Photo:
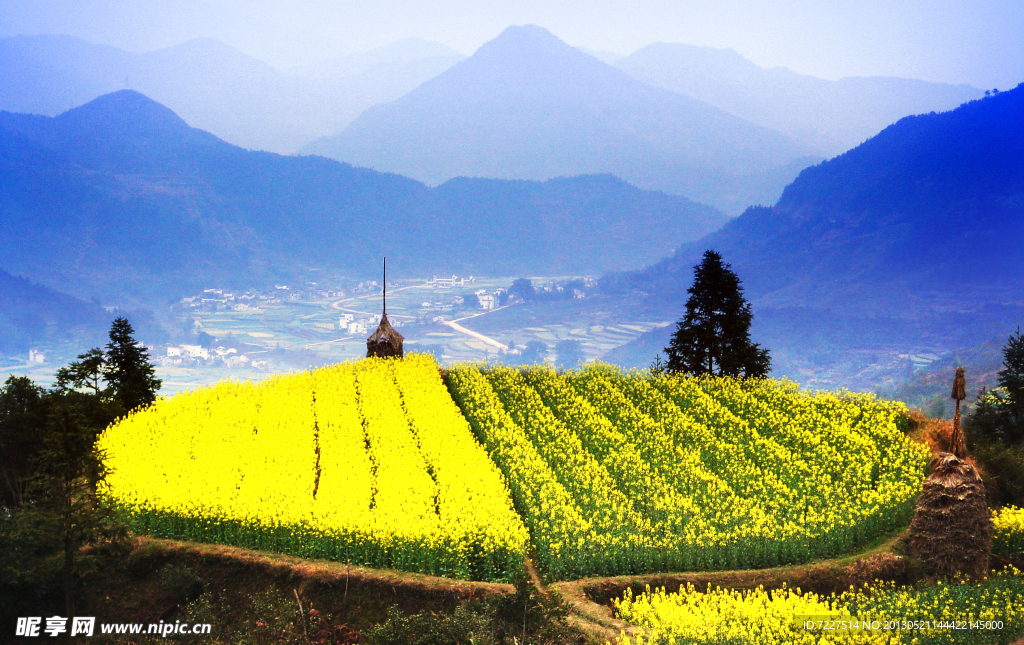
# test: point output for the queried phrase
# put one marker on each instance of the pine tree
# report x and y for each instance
(85, 373)
(999, 413)
(22, 411)
(714, 336)
(128, 370)
(1011, 380)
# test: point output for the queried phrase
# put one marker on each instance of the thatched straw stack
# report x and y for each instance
(952, 528)
(386, 342)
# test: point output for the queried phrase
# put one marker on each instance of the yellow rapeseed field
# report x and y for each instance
(368, 462)
(1008, 537)
(987, 612)
(612, 473)
(619, 473)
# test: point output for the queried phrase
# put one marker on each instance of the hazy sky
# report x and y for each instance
(980, 42)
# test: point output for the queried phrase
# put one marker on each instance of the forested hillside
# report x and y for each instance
(911, 242)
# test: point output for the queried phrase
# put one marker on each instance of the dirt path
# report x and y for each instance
(538, 584)
(589, 599)
(469, 332)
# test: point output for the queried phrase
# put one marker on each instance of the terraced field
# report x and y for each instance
(366, 462)
(619, 473)
(596, 472)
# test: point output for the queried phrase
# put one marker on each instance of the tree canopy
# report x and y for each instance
(1011, 380)
(129, 371)
(523, 287)
(999, 413)
(51, 469)
(714, 335)
(569, 354)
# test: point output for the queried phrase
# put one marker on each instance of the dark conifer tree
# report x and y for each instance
(85, 373)
(1011, 379)
(714, 336)
(999, 414)
(22, 412)
(128, 370)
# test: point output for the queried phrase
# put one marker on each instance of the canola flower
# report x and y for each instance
(677, 473)
(1008, 536)
(985, 612)
(368, 462)
(612, 473)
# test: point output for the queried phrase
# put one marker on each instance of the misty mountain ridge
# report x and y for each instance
(122, 132)
(214, 86)
(405, 51)
(121, 198)
(31, 314)
(828, 116)
(934, 201)
(526, 105)
(250, 104)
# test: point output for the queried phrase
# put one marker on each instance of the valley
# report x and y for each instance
(255, 334)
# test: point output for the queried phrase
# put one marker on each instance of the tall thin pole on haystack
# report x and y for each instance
(386, 297)
(956, 441)
(951, 532)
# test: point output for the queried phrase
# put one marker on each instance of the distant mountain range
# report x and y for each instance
(913, 239)
(693, 121)
(122, 199)
(528, 106)
(407, 52)
(829, 117)
(215, 87)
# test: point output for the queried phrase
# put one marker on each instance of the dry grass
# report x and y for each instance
(320, 572)
(348, 599)
(935, 433)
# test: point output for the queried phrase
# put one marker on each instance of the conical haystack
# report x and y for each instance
(385, 342)
(952, 528)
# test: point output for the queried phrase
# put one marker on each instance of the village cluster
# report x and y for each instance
(195, 355)
(242, 324)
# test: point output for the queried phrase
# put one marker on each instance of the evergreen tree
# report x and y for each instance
(22, 414)
(52, 509)
(128, 370)
(999, 413)
(67, 513)
(1011, 380)
(85, 373)
(714, 336)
